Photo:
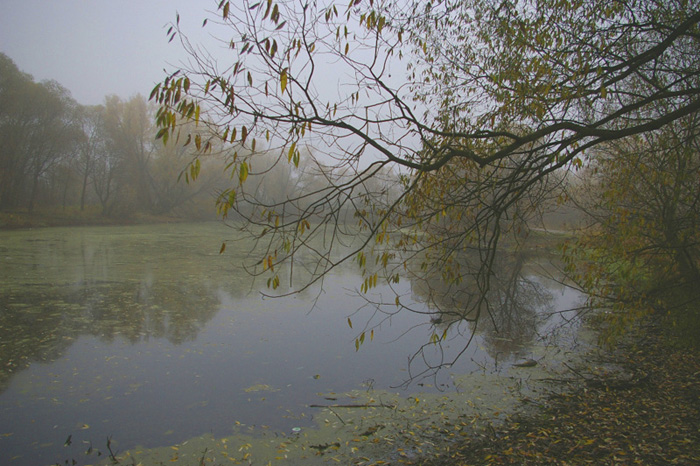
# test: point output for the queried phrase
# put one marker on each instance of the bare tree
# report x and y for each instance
(92, 145)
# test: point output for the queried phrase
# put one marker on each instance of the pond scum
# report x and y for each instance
(360, 427)
(373, 427)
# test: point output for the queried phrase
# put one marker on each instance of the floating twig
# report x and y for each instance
(367, 405)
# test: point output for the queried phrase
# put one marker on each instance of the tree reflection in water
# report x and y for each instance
(39, 323)
(508, 314)
(132, 284)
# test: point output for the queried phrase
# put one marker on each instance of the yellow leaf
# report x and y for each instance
(283, 79)
(243, 174)
(292, 149)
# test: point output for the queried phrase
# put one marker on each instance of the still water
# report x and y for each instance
(148, 336)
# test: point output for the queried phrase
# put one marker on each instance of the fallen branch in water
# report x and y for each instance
(201, 460)
(367, 405)
(111, 453)
(324, 447)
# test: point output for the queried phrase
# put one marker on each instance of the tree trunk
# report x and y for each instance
(32, 197)
(84, 189)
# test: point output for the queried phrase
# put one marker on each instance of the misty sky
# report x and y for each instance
(97, 47)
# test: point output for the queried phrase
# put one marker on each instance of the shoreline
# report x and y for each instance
(638, 404)
(13, 221)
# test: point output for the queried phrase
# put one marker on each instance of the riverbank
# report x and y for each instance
(644, 411)
(73, 216)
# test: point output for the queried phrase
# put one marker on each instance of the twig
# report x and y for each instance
(556, 380)
(576, 372)
(111, 453)
(354, 406)
(336, 415)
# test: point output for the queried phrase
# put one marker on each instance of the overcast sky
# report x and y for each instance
(97, 47)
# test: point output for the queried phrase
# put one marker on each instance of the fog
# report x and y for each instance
(97, 48)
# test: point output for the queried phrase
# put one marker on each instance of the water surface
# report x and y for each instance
(147, 335)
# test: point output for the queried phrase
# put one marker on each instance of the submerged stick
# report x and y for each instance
(354, 406)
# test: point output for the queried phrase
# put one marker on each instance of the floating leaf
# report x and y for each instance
(261, 387)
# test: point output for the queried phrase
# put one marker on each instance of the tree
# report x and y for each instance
(91, 146)
(129, 128)
(37, 124)
(54, 133)
(13, 86)
(498, 98)
(170, 191)
(643, 244)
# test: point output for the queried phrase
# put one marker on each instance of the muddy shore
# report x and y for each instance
(644, 411)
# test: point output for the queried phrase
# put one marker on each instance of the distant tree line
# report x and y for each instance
(57, 153)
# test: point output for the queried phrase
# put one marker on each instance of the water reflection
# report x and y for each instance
(37, 326)
(133, 285)
(508, 314)
(148, 335)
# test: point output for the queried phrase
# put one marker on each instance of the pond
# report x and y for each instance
(147, 336)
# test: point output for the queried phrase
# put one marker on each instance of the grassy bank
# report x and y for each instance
(73, 216)
(647, 411)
